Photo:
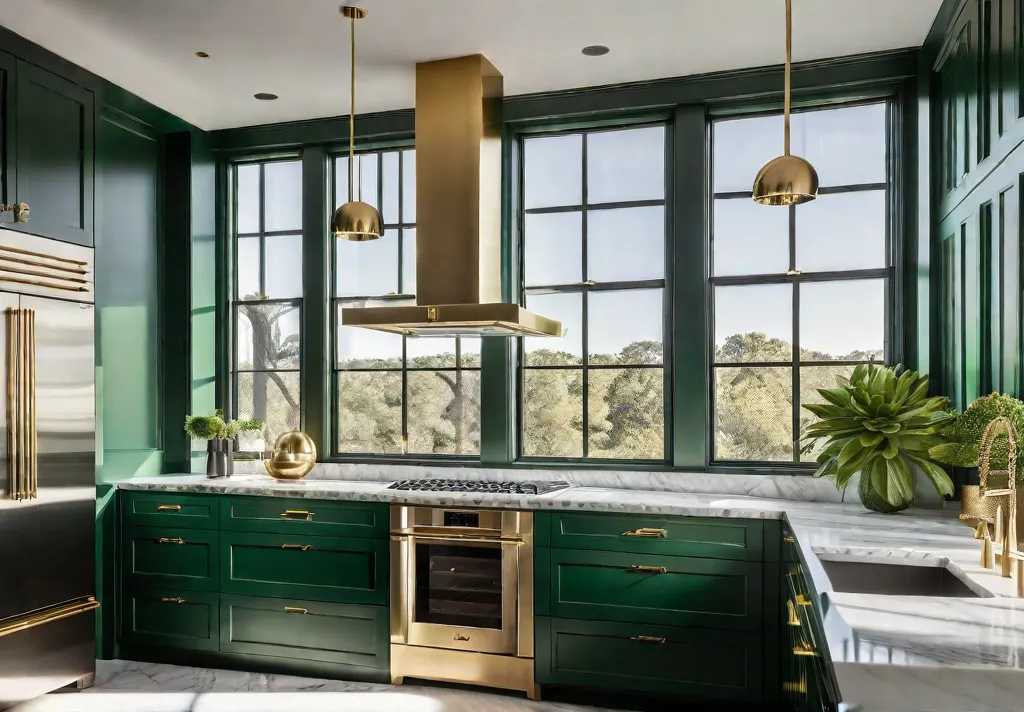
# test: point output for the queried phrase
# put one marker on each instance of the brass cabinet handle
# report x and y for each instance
(299, 547)
(166, 540)
(173, 600)
(647, 639)
(461, 638)
(22, 438)
(788, 539)
(648, 532)
(793, 619)
(294, 609)
(648, 569)
(296, 513)
(797, 687)
(169, 508)
(802, 600)
(804, 650)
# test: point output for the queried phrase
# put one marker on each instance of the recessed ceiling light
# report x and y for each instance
(201, 55)
(595, 50)
(264, 96)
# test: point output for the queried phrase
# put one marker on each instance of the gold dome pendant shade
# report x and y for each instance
(355, 220)
(788, 179)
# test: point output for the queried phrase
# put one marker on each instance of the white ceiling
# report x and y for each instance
(298, 49)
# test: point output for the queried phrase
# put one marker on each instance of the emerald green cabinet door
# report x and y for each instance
(169, 558)
(169, 509)
(738, 539)
(700, 664)
(315, 568)
(305, 516)
(664, 590)
(8, 125)
(170, 618)
(305, 630)
(54, 155)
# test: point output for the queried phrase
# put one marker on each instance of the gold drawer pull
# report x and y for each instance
(788, 539)
(648, 532)
(648, 569)
(804, 650)
(299, 547)
(169, 508)
(297, 513)
(173, 600)
(797, 687)
(648, 639)
(293, 609)
(791, 613)
(802, 600)
(166, 540)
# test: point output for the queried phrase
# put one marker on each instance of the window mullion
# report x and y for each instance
(585, 301)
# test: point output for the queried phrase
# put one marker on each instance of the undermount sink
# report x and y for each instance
(895, 579)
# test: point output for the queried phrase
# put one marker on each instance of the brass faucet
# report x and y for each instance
(979, 513)
(1005, 490)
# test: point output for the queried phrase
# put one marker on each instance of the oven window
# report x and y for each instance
(458, 585)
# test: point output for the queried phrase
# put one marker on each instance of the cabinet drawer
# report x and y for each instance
(660, 659)
(155, 509)
(304, 516)
(306, 630)
(178, 558)
(739, 539)
(309, 567)
(662, 590)
(170, 618)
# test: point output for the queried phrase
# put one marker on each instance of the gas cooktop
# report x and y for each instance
(482, 486)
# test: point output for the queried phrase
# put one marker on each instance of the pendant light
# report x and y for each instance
(786, 180)
(355, 220)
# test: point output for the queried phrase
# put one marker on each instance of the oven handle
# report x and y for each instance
(402, 536)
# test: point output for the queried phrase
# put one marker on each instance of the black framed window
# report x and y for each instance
(267, 313)
(592, 255)
(799, 295)
(395, 395)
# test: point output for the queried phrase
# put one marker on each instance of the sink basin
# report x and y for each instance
(895, 580)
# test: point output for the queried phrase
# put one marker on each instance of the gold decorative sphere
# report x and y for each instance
(786, 180)
(293, 457)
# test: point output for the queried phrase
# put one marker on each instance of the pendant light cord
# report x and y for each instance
(352, 117)
(789, 51)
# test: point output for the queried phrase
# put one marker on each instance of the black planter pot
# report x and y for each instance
(219, 460)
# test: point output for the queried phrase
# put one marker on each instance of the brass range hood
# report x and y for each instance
(458, 212)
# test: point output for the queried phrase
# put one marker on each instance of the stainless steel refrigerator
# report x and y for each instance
(47, 466)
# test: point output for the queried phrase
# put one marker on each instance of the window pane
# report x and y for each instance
(553, 171)
(749, 238)
(267, 336)
(409, 186)
(842, 321)
(430, 352)
(389, 198)
(444, 412)
(283, 198)
(284, 266)
(248, 179)
(409, 261)
(741, 148)
(841, 232)
(625, 244)
(553, 248)
(366, 178)
(626, 326)
(566, 350)
(754, 323)
(247, 254)
(846, 145)
(813, 378)
(553, 413)
(626, 413)
(469, 347)
(753, 414)
(366, 348)
(370, 412)
(340, 181)
(366, 269)
(271, 397)
(626, 165)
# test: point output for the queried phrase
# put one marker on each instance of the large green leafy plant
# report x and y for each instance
(965, 431)
(882, 424)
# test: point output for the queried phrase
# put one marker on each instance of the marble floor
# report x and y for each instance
(125, 686)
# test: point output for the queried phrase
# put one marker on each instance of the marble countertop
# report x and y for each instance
(889, 652)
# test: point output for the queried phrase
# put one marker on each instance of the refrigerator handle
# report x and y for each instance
(22, 437)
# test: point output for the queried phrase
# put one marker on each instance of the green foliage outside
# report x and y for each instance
(965, 431)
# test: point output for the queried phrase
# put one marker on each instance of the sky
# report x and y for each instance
(835, 232)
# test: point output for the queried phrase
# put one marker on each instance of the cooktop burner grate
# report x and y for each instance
(482, 486)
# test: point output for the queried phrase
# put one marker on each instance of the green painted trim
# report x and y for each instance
(107, 572)
(315, 381)
(224, 252)
(944, 18)
(498, 392)
(383, 126)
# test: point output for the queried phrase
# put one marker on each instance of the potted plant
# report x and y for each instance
(964, 433)
(880, 424)
(219, 435)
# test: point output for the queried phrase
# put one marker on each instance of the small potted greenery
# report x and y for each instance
(219, 435)
(880, 424)
(964, 432)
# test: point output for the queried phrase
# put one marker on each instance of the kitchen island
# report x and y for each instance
(888, 652)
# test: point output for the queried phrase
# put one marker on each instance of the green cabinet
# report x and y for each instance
(645, 588)
(164, 557)
(305, 630)
(304, 516)
(695, 663)
(158, 509)
(166, 617)
(8, 72)
(51, 157)
(318, 568)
